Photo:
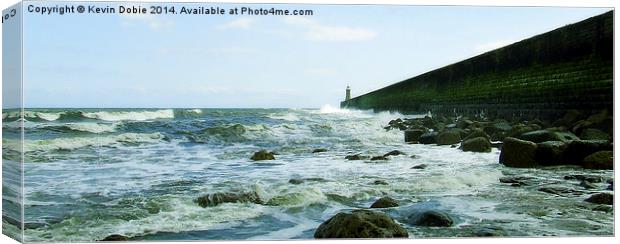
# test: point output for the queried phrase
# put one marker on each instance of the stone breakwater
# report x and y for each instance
(540, 77)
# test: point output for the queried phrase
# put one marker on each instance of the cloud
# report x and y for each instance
(240, 23)
(485, 47)
(314, 31)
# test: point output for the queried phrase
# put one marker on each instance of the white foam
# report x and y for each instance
(79, 142)
(92, 127)
(131, 115)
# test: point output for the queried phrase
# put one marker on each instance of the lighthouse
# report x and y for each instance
(348, 96)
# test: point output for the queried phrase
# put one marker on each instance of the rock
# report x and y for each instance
(319, 150)
(449, 137)
(420, 166)
(355, 157)
(115, 237)
(519, 130)
(430, 218)
(603, 208)
(599, 160)
(413, 135)
(476, 133)
(556, 190)
(518, 180)
(396, 124)
(498, 127)
(428, 138)
(550, 153)
(478, 144)
(296, 181)
(384, 202)
(601, 198)
(546, 135)
(263, 155)
(569, 118)
(518, 153)
(394, 153)
(218, 198)
(463, 123)
(577, 151)
(489, 232)
(380, 182)
(376, 158)
(593, 134)
(360, 224)
(587, 185)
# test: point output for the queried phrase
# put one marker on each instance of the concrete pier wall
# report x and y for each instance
(543, 76)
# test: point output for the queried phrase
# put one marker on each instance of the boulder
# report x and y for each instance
(115, 237)
(377, 158)
(599, 160)
(394, 153)
(546, 135)
(360, 224)
(593, 134)
(428, 138)
(569, 118)
(430, 218)
(319, 150)
(449, 137)
(413, 135)
(420, 166)
(218, 198)
(590, 178)
(518, 153)
(380, 182)
(296, 181)
(557, 190)
(577, 151)
(478, 144)
(263, 155)
(384, 202)
(476, 133)
(550, 153)
(601, 198)
(501, 126)
(355, 157)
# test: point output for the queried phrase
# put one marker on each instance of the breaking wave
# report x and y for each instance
(131, 115)
(81, 142)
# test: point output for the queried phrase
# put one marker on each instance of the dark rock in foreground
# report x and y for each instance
(428, 138)
(601, 198)
(518, 153)
(360, 224)
(599, 160)
(547, 135)
(430, 218)
(420, 166)
(593, 134)
(218, 198)
(377, 158)
(380, 182)
(550, 153)
(319, 150)
(296, 181)
(478, 144)
(412, 136)
(384, 202)
(449, 137)
(115, 237)
(394, 153)
(355, 157)
(579, 150)
(263, 155)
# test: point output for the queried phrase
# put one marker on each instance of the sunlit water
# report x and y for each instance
(93, 173)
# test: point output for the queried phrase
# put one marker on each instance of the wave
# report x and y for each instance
(230, 133)
(31, 116)
(81, 142)
(130, 115)
(286, 117)
(95, 128)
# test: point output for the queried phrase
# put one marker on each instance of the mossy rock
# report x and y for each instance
(518, 153)
(478, 144)
(360, 224)
(449, 137)
(263, 155)
(384, 202)
(599, 160)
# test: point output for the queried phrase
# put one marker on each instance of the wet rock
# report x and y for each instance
(599, 160)
(478, 144)
(519, 129)
(430, 218)
(489, 232)
(594, 134)
(263, 155)
(420, 166)
(319, 150)
(384, 202)
(569, 118)
(428, 138)
(498, 127)
(296, 181)
(603, 208)
(517, 180)
(558, 190)
(413, 135)
(394, 153)
(576, 151)
(546, 135)
(518, 153)
(360, 224)
(601, 198)
(380, 182)
(449, 137)
(550, 153)
(476, 133)
(377, 158)
(396, 124)
(115, 237)
(218, 198)
(355, 157)
(414, 156)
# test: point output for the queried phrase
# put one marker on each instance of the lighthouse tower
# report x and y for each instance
(348, 97)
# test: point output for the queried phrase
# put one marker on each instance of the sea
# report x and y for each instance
(91, 173)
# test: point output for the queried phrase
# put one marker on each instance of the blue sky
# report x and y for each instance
(259, 61)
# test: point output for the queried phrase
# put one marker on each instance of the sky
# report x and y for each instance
(206, 61)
